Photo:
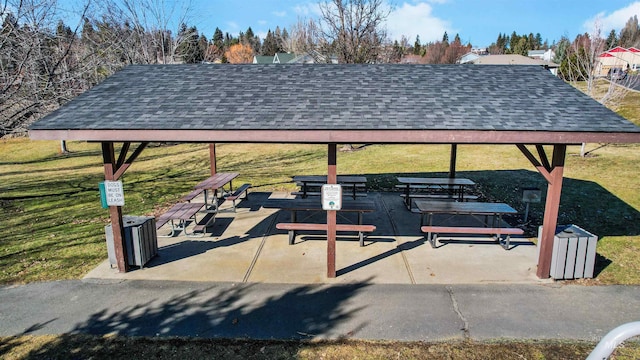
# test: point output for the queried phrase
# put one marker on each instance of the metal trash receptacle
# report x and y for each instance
(574, 252)
(140, 239)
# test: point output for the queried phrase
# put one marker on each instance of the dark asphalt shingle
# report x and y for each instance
(317, 97)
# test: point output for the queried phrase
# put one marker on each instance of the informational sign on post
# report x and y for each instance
(331, 197)
(113, 193)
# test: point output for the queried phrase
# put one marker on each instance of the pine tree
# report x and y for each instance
(189, 47)
(612, 40)
(417, 48)
(531, 43)
(277, 36)
(513, 42)
(538, 42)
(270, 44)
(562, 49)
(445, 39)
(630, 33)
(218, 38)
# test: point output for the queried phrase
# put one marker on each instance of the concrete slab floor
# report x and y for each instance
(245, 247)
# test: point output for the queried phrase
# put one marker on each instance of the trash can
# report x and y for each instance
(140, 240)
(574, 252)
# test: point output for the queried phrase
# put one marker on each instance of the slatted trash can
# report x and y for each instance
(140, 239)
(574, 252)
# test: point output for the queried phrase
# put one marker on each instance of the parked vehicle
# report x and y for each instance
(616, 74)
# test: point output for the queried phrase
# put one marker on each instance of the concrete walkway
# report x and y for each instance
(287, 311)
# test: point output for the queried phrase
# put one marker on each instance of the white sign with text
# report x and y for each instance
(114, 193)
(331, 197)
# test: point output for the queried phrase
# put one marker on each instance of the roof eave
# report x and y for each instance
(386, 136)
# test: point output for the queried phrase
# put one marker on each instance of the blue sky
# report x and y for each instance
(477, 21)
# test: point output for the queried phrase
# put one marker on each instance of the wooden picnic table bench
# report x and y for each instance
(434, 188)
(216, 183)
(235, 195)
(192, 195)
(295, 205)
(183, 213)
(495, 210)
(433, 232)
(293, 227)
(353, 184)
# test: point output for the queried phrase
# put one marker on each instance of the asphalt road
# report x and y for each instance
(354, 310)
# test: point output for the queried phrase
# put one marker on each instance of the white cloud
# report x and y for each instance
(411, 20)
(262, 22)
(279, 13)
(233, 25)
(616, 20)
(308, 9)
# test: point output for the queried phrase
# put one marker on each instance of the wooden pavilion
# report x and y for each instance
(331, 104)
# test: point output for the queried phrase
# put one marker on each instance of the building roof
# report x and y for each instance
(323, 103)
(283, 58)
(618, 49)
(262, 59)
(511, 59)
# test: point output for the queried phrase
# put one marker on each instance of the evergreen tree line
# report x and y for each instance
(517, 44)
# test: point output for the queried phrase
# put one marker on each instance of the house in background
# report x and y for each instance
(469, 57)
(618, 57)
(259, 59)
(515, 59)
(545, 55)
(472, 55)
(283, 58)
(291, 58)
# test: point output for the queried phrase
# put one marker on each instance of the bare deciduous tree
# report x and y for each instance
(145, 35)
(354, 29)
(581, 68)
(40, 66)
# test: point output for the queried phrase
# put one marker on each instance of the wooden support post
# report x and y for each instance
(115, 212)
(551, 210)
(332, 178)
(212, 158)
(452, 161)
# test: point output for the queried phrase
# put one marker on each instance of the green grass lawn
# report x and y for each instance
(115, 347)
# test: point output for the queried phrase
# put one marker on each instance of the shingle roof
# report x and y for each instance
(259, 59)
(334, 97)
(511, 59)
(283, 58)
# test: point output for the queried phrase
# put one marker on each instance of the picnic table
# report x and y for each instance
(297, 205)
(182, 213)
(443, 188)
(494, 210)
(307, 182)
(216, 183)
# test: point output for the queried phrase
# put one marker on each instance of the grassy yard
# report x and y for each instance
(113, 347)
